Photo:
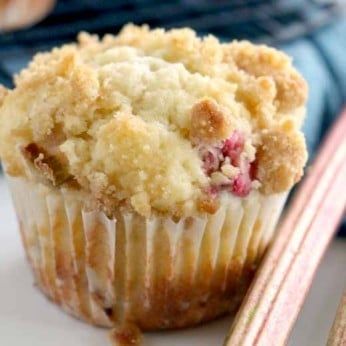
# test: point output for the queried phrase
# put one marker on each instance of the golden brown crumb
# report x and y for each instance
(208, 205)
(126, 335)
(259, 97)
(281, 158)
(291, 91)
(265, 61)
(208, 122)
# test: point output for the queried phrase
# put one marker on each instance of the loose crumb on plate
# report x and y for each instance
(126, 335)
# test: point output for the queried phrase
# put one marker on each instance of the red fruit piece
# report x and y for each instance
(241, 185)
(233, 147)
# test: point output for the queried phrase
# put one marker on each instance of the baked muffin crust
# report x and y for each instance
(125, 117)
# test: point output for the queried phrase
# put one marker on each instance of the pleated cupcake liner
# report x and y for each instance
(155, 272)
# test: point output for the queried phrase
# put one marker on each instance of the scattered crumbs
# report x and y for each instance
(126, 335)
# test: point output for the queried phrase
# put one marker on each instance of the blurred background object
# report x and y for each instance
(15, 14)
(264, 20)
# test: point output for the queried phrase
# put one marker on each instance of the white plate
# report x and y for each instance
(28, 318)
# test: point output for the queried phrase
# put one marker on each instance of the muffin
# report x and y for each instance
(149, 169)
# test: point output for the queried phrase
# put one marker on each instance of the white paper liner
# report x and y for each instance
(154, 272)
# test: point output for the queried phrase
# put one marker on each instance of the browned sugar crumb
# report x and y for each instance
(208, 122)
(126, 335)
(281, 158)
(207, 204)
(265, 61)
(291, 91)
(259, 95)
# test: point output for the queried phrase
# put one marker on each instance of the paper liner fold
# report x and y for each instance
(154, 272)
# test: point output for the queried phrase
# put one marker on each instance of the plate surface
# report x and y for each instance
(28, 318)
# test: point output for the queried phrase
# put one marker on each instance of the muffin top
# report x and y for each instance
(156, 121)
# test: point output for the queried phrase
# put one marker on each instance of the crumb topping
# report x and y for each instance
(159, 121)
(126, 335)
(208, 123)
(280, 160)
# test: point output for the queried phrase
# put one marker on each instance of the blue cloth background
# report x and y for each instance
(321, 58)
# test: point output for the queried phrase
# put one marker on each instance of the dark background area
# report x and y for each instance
(268, 21)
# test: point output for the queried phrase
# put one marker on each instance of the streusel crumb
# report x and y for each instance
(157, 120)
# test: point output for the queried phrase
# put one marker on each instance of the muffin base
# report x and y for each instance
(155, 273)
